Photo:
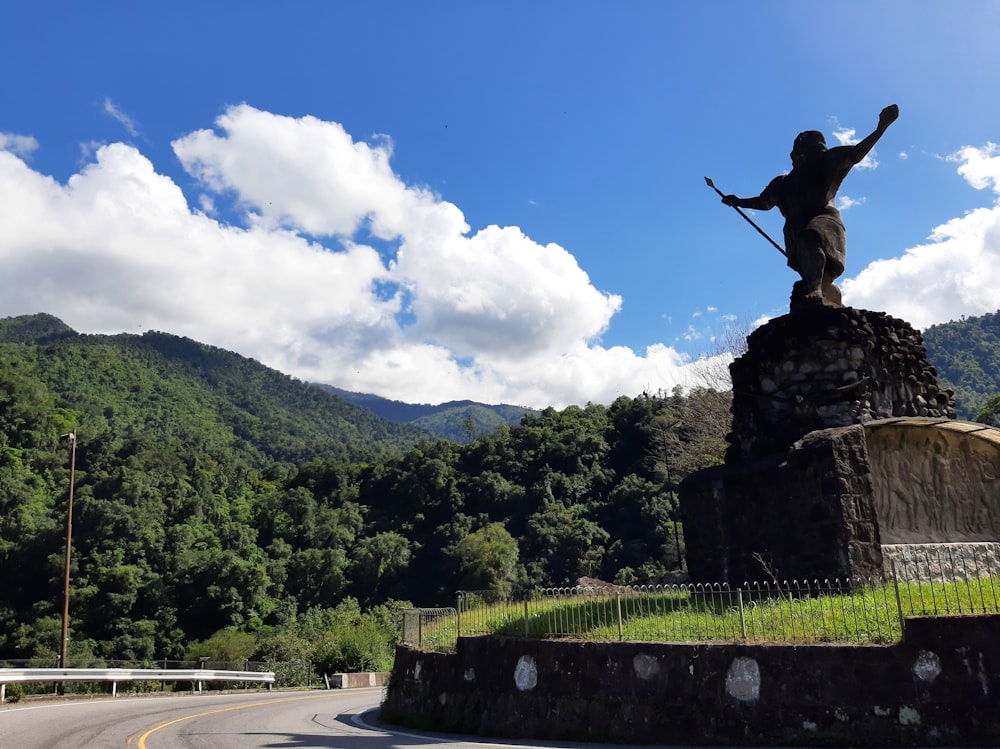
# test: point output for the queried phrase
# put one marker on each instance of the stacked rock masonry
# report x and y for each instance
(796, 496)
(825, 367)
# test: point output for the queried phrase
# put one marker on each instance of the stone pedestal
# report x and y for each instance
(822, 367)
(795, 498)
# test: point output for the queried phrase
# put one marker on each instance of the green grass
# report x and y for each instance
(978, 595)
(866, 615)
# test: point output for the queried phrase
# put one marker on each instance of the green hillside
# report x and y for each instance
(165, 386)
(463, 421)
(459, 421)
(966, 354)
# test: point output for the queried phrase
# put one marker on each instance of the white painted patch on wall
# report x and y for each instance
(645, 666)
(882, 712)
(443, 698)
(808, 725)
(525, 673)
(908, 716)
(470, 674)
(417, 669)
(743, 680)
(927, 667)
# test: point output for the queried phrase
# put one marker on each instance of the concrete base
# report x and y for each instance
(358, 680)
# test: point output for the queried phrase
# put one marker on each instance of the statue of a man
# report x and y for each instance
(814, 233)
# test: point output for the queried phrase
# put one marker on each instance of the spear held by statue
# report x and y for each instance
(749, 220)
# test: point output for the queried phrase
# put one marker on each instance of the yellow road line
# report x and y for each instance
(160, 726)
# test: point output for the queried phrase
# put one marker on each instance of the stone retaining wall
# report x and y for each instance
(940, 686)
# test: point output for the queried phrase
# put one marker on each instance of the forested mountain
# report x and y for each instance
(966, 354)
(165, 386)
(460, 421)
(212, 493)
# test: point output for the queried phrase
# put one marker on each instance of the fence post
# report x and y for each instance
(618, 606)
(899, 600)
(458, 615)
(525, 617)
(743, 621)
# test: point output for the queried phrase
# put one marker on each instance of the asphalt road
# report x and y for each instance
(344, 719)
(210, 720)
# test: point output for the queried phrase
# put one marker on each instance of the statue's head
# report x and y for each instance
(806, 144)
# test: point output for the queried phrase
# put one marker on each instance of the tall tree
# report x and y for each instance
(488, 558)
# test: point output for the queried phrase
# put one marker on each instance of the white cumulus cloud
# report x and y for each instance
(957, 272)
(335, 270)
(980, 166)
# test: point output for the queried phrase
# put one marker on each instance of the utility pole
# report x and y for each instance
(71, 436)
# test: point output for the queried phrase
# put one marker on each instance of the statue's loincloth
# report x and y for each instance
(832, 240)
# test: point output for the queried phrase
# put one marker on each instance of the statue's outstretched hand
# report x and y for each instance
(731, 200)
(888, 115)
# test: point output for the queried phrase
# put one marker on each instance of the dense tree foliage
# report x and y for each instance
(966, 354)
(214, 514)
(990, 412)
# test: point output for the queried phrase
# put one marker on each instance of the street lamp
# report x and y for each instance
(673, 493)
(71, 436)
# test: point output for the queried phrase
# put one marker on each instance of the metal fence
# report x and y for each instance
(936, 581)
(430, 628)
(826, 611)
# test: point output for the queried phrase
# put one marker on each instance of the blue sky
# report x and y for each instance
(501, 201)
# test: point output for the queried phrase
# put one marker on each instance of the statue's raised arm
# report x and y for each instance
(860, 149)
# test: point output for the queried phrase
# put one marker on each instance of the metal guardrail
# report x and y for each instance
(115, 675)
